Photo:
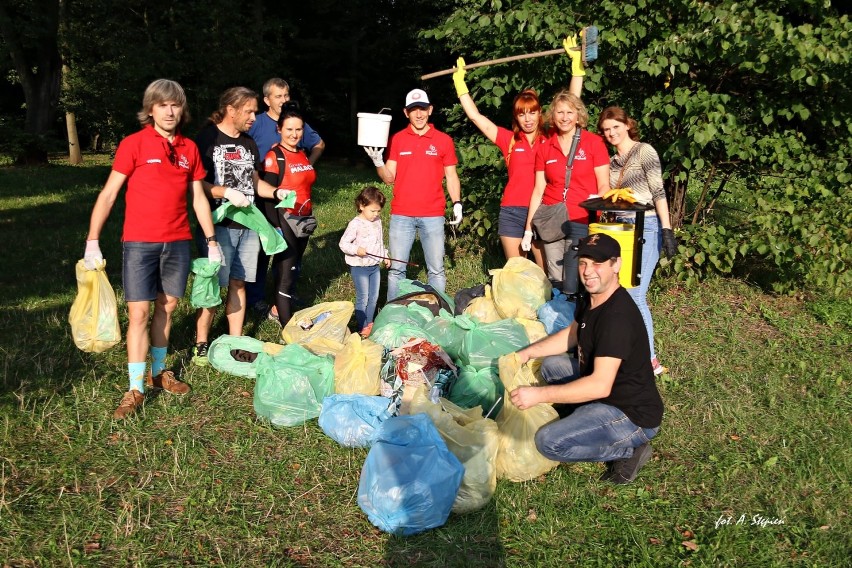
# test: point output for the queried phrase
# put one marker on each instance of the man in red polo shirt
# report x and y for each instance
(419, 159)
(159, 166)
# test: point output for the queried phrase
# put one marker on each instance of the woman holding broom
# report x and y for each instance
(518, 146)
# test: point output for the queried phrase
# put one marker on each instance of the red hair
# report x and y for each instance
(526, 100)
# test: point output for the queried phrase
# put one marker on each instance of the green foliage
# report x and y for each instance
(756, 92)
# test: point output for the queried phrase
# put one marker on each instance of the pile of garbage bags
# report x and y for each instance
(426, 393)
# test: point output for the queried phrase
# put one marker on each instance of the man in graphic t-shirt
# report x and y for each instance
(610, 385)
(419, 159)
(232, 161)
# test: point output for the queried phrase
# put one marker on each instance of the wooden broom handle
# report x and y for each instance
(493, 62)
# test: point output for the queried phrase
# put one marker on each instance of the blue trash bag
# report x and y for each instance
(353, 420)
(557, 313)
(410, 479)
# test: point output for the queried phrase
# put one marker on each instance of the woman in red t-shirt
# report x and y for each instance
(288, 168)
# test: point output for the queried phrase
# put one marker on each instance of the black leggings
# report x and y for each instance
(285, 264)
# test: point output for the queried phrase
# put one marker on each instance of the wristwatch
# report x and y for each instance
(210, 239)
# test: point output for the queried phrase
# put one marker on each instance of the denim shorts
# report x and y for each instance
(512, 221)
(150, 268)
(239, 249)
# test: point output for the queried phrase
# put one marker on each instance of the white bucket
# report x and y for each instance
(373, 129)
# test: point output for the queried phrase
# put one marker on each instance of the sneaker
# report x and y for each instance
(626, 470)
(368, 329)
(658, 368)
(199, 353)
(167, 381)
(131, 400)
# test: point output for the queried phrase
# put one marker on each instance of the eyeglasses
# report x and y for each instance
(172, 154)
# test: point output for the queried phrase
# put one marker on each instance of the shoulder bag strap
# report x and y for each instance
(627, 161)
(570, 165)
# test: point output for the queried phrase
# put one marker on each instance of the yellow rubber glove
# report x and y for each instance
(458, 78)
(576, 55)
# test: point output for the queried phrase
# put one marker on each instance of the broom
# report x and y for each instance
(589, 49)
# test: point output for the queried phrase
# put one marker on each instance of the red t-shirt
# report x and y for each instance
(299, 175)
(591, 153)
(156, 189)
(418, 190)
(521, 167)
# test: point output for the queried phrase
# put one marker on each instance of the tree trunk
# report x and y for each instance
(676, 193)
(75, 156)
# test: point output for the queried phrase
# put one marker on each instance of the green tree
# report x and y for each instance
(755, 94)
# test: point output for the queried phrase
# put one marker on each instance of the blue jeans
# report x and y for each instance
(594, 432)
(239, 254)
(401, 238)
(367, 280)
(650, 258)
(562, 263)
(559, 369)
(150, 268)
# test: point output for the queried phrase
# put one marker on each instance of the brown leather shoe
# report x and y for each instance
(167, 381)
(131, 400)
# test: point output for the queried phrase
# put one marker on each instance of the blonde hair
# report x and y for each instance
(160, 91)
(564, 96)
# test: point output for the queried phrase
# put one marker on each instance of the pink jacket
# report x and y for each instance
(362, 233)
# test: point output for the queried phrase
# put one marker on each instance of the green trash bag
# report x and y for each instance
(291, 386)
(222, 359)
(396, 324)
(484, 343)
(251, 217)
(478, 387)
(205, 285)
(449, 331)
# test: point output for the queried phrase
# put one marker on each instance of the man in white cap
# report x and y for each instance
(419, 158)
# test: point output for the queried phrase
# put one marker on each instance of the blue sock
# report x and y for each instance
(158, 359)
(136, 372)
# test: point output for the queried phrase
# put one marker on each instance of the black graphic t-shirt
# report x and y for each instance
(230, 162)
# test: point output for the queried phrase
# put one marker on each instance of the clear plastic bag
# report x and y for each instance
(94, 313)
(518, 459)
(519, 288)
(357, 367)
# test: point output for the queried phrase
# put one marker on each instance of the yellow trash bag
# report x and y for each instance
(519, 289)
(517, 457)
(473, 440)
(534, 328)
(483, 308)
(357, 367)
(94, 313)
(321, 328)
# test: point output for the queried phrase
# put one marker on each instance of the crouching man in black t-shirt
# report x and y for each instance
(611, 384)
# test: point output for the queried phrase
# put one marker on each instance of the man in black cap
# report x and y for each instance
(610, 385)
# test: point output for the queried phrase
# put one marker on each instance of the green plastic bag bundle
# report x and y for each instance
(291, 386)
(519, 288)
(478, 387)
(94, 313)
(396, 324)
(484, 343)
(205, 285)
(449, 331)
(222, 359)
(473, 440)
(251, 217)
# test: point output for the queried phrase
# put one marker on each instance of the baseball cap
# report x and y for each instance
(416, 98)
(599, 247)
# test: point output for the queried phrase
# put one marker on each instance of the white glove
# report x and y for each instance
(526, 243)
(457, 213)
(214, 253)
(375, 155)
(92, 258)
(236, 197)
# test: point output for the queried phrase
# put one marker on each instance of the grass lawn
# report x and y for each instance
(751, 467)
